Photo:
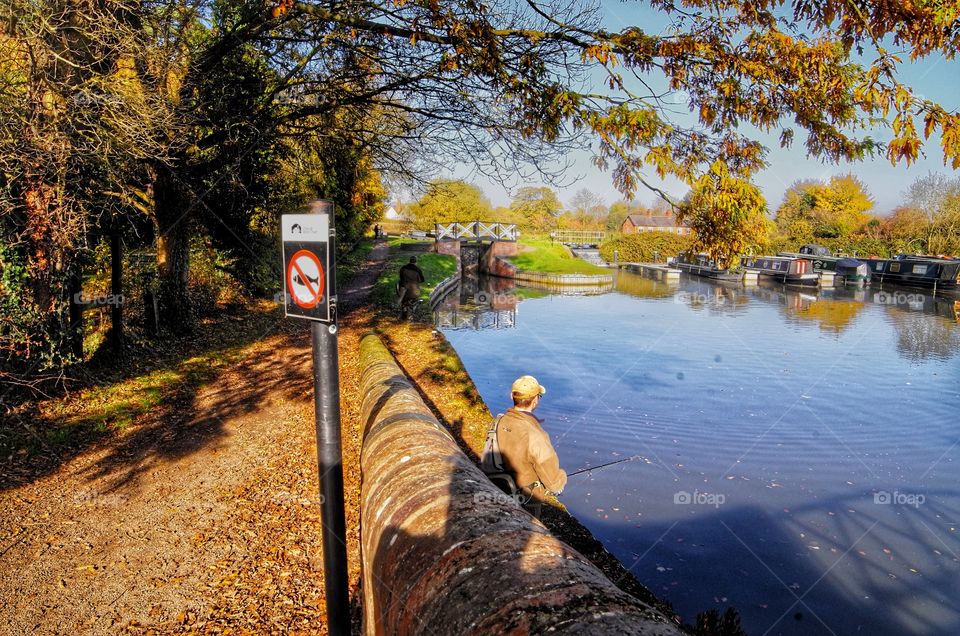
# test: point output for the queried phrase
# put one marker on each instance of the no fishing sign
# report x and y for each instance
(310, 292)
(307, 279)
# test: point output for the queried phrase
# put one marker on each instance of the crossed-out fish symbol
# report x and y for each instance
(299, 281)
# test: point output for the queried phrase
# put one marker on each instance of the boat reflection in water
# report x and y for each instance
(714, 296)
(835, 310)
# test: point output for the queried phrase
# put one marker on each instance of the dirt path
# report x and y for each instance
(201, 522)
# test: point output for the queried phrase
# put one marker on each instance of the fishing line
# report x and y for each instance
(592, 468)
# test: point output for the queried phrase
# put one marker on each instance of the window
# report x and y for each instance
(894, 267)
(919, 269)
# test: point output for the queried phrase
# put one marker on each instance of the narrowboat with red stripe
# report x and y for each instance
(784, 269)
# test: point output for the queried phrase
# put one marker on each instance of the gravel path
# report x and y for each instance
(204, 521)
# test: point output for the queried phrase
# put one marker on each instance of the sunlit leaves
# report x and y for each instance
(727, 214)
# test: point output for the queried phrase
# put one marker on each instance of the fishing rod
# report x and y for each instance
(618, 461)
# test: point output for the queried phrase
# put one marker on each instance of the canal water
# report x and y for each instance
(797, 452)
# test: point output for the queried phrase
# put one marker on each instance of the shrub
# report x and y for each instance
(640, 248)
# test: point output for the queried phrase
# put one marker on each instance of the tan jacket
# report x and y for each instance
(528, 454)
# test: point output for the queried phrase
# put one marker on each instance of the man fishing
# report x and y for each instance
(527, 453)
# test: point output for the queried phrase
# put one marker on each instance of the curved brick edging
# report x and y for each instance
(496, 265)
(444, 552)
(544, 278)
(442, 288)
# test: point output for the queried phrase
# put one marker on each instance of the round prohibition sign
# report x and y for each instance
(305, 279)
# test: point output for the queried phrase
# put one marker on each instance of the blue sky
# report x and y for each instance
(933, 78)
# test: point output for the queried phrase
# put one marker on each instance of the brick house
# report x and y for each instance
(648, 222)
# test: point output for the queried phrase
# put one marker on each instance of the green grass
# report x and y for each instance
(436, 267)
(553, 258)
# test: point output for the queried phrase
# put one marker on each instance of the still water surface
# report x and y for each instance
(799, 452)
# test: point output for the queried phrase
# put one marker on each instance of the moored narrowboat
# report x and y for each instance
(785, 269)
(916, 271)
(702, 265)
(818, 255)
(852, 271)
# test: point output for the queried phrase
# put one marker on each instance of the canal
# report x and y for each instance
(797, 452)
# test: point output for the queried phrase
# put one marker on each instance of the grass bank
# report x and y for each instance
(436, 268)
(544, 255)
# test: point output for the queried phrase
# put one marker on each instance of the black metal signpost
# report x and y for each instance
(309, 285)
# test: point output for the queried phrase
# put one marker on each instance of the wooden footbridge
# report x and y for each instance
(476, 231)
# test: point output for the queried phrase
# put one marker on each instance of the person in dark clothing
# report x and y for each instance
(411, 276)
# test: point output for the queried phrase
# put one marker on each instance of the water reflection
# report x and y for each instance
(720, 297)
(634, 284)
(825, 418)
(918, 337)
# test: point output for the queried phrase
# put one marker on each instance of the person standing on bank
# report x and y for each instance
(409, 284)
(525, 447)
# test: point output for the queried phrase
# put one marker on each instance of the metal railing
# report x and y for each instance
(477, 230)
(578, 237)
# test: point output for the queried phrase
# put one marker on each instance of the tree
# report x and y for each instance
(813, 209)
(616, 215)
(934, 202)
(585, 202)
(538, 207)
(74, 127)
(414, 86)
(729, 216)
(446, 201)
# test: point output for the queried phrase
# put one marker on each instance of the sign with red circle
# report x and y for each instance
(308, 280)
(305, 279)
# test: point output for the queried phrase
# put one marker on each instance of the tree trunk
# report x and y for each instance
(116, 290)
(174, 219)
(54, 270)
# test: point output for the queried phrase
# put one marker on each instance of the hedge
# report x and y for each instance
(639, 248)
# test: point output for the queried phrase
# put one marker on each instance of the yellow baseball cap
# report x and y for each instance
(526, 386)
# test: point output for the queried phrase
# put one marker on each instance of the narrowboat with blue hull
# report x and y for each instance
(702, 265)
(939, 274)
(784, 269)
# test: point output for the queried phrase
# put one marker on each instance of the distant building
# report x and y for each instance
(648, 222)
(392, 215)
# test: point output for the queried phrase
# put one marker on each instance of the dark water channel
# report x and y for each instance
(799, 450)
